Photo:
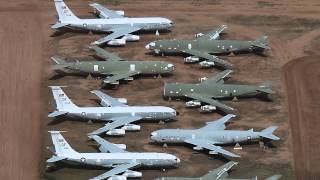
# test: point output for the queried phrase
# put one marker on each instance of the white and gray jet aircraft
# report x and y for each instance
(111, 156)
(212, 135)
(110, 21)
(120, 115)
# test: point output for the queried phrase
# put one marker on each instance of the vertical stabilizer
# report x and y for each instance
(61, 146)
(62, 100)
(64, 13)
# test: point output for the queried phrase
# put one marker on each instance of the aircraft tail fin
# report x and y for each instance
(61, 147)
(274, 177)
(265, 87)
(63, 102)
(261, 42)
(64, 13)
(268, 133)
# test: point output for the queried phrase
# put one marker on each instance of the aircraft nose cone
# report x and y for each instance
(178, 160)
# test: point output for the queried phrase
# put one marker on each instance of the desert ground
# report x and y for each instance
(293, 30)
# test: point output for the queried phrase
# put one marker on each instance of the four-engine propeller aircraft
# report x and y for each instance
(221, 173)
(215, 88)
(112, 110)
(111, 156)
(207, 46)
(109, 21)
(212, 135)
(113, 69)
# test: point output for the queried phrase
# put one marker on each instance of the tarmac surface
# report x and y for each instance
(302, 77)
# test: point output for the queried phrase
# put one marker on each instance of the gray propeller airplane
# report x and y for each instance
(110, 156)
(215, 88)
(207, 46)
(212, 135)
(119, 115)
(221, 173)
(109, 21)
(112, 70)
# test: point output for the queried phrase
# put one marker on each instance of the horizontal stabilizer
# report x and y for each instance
(55, 159)
(265, 87)
(262, 46)
(267, 133)
(58, 25)
(57, 113)
(58, 60)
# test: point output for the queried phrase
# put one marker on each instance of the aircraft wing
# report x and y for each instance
(210, 146)
(107, 100)
(209, 100)
(116, 170)
(107, 147)
(105, 54)
(119, 76)
(214, 34)
(117, 122)
(105, 12)
(218, 124)
(209, 57)
(221, 172)
(217, 79)
(117, 32)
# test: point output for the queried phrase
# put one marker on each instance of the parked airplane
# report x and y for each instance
(111, 156)
(119, 114)
(110, 21)
(209, 90)
(212, 135)
(207, 46)
(221, 173)
(114, 69)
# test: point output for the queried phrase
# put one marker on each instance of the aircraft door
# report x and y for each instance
(132, 67)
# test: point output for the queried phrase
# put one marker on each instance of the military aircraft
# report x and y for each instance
(221, 173)
(114, 69)
(112, 110)
(111, 156)
(212, 135)
(206, 47)
(215, 88)
(109, 21)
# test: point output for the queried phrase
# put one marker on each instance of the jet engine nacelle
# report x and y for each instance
(122, 100)
(117, 178)
(203, 79)
(120, 12)
(198, 35)
(128, 79)
(197, 148)
(130, 37)
(116, 132)
(212, 152)
(131, 127)
(208, 108)
(206, 64)
(121, 146)
(117, 42)
(191, 59)
(132, 174)
(193, 103)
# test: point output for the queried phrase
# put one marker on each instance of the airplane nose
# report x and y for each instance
(178, 160)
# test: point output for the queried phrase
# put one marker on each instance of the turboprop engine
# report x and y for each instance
(121, 146)
(197, 148)
(131, 127)
(193, 103)
(130, 37)
(203, 79)
(107, 103)
(116, 132)
(120, 12)
(191, 59)
(208, 108)
(117, 42)
(206, 64)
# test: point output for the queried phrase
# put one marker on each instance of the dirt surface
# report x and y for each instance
(293, 28)
(21, 104)
(302, 77)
